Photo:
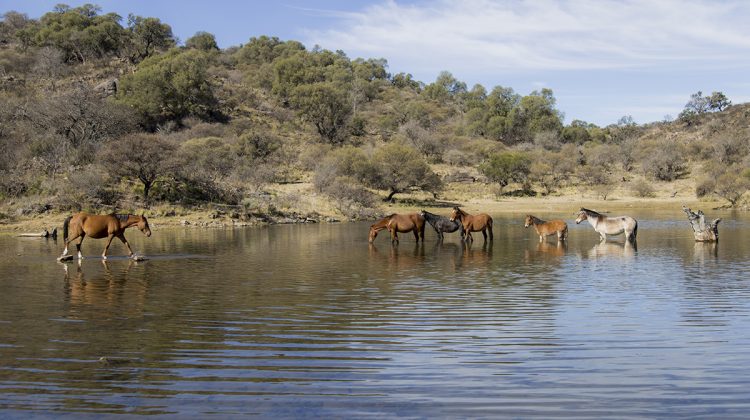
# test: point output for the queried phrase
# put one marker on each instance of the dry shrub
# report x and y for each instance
(642, 188)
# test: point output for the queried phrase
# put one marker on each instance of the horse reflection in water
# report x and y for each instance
(398, 257)
(478, 255)
(103, 289)
(546, 250)
(625, 250)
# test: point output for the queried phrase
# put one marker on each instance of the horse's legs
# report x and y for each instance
(106, 247)
(489, 228)
(603, 236)
(394, 234)
(127, 244)
(78, 245)
(484, 234)
(416, 233)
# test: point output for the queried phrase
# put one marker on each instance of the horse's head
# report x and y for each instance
(529, 221)
(143, 225)
(581, 216)
(373, 234)
(456, 214)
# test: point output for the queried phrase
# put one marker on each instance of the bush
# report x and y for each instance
(507, 167)
(642, 188)
(664, 160)
(705, 187)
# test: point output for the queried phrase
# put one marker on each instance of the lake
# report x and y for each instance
(311, 321)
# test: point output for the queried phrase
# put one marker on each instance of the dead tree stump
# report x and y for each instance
(703, 232)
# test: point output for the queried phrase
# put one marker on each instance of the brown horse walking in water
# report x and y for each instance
(544, 229)
(399, 223)
(473, 223)
(97, 226)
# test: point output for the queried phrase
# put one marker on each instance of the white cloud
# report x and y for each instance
(513, 36)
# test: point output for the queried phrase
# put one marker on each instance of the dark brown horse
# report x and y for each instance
(399, 223)
(473, 223)
(97, 226)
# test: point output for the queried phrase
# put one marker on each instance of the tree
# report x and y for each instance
(326, 107)
(80, 33)
(399, 168)
(144, 157)
(12, 23)
(148, 35)
(534, 114)
(170, 87)
(732, 185)
(718, 101)
(203, 41)
(507, 167)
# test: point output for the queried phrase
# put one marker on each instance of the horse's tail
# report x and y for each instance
(635, 231)
(65, 227)
(489, 226)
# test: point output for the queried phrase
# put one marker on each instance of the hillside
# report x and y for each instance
(100, 116)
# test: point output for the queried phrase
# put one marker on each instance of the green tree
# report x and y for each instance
(81, 33)
(718, 101)
(534, 114)
(326, 107)
(576, 133)
(170, 87)
(445, 88)
(203, 41)
(399, 168)
(507, 167)
(145, 157)
(147, 36)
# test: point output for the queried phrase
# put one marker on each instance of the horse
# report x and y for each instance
(544, 229)
(473, 223)
(606, 225)
(399, 223)
(442, 224)
(97, 226)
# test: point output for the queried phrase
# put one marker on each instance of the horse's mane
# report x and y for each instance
(591, 213)
(122, 217)
(536, 220)
(459, 211)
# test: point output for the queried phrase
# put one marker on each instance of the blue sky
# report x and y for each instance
(602, 58)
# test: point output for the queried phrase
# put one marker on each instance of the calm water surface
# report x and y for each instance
(310, 321)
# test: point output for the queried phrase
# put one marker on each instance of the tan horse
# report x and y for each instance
(606, 225)
(399, 223)
(473, 223)
(544, 229)
(97, 226)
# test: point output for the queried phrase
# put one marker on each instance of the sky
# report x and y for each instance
(603, 59)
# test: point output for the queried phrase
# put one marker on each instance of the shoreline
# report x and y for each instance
(202, 218)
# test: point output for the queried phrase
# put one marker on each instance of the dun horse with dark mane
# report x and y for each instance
(97, 226)
(544, 229)
(608, 225)
(473, 223)
(396, 223)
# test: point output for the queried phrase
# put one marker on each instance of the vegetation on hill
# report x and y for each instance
(98, 112)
